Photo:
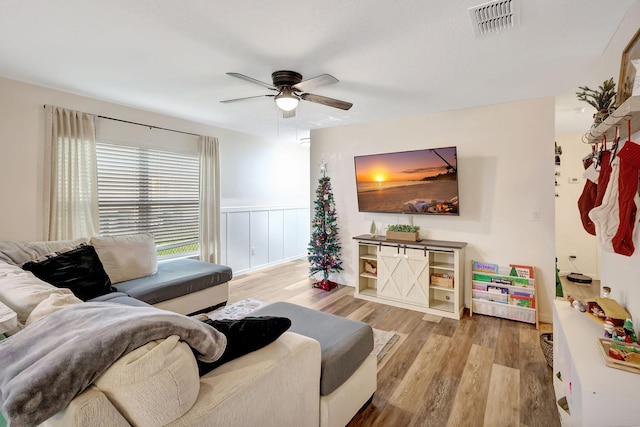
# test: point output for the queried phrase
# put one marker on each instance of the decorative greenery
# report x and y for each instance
(324, 247)
(404, 228)
(601, 99)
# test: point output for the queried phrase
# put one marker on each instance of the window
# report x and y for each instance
(149, 190)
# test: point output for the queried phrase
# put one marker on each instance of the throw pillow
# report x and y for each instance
(78, 270)
(127, 257)
(21, 291)
(53, 303)
(144, 384)
(244, 336)
(20, 252)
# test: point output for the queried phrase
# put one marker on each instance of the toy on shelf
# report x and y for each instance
(625, 333)
(578, 305)
(600, 309)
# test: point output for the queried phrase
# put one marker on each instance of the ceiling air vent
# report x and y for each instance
(495, 16)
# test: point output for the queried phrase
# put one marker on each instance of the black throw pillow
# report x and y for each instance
(244, 336)
(79, 270)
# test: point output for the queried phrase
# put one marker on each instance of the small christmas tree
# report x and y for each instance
(324, 247)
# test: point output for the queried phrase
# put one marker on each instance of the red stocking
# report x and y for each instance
(603, 178)
(627, 198)
(586, 202)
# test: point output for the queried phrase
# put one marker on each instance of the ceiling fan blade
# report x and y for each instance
(289, 114)
(252, 80)
(312, 83)
(324, 100)
(226, 101)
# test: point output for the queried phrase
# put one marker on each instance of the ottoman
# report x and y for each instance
(348, 376)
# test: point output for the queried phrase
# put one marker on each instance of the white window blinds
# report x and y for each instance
(149, 190)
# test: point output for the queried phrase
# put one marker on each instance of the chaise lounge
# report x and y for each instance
(182, 285)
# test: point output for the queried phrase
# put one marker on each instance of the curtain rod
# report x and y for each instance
(149, 126)
(142, 124)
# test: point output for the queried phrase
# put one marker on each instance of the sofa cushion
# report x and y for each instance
(20, 252)
(21, 291)
(89, 408)
(50, 305)
(78, 269)
(120, 298)
(154, 384)
(127, 257)
(345, 343)
(176, 278)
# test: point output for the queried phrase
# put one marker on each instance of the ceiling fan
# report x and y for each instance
(291, 89)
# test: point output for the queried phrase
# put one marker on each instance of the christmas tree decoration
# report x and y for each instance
(324, 246)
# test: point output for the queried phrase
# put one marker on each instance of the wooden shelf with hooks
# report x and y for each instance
(628, 110)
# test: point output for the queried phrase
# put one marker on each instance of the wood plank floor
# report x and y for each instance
(478, 371)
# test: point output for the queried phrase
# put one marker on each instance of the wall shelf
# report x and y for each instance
(628, 110)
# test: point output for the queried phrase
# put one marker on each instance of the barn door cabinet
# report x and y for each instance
(425, 276)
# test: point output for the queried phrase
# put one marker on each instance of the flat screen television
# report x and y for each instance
(412, 182)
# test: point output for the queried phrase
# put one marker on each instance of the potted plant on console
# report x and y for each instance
(403, 232)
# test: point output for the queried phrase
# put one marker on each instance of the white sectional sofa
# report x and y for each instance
(157, 384)
(309, 376)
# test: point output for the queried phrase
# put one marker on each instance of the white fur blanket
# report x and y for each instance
(48, 363)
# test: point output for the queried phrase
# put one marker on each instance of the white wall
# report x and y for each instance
(505, 167)
(256, 173)
(571, 237)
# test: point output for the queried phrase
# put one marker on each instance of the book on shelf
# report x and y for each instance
(484, 267)
(522, 270)
(497, 289)
(481, 277)
(479, 286)
(522, 301)
(504, 280)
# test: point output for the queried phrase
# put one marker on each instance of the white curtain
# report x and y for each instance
(209, 199)
(73, 184)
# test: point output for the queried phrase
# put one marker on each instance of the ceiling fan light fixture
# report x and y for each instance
(287, 100)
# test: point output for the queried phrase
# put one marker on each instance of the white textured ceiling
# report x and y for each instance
(393, 59)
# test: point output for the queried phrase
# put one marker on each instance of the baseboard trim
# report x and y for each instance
(237, 273)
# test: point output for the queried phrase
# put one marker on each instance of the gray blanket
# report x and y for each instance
(44, 366)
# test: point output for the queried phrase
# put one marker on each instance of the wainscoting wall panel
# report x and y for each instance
(276, 236)
(238, 243)
(291, 244)
(255, 237)
(259, 238)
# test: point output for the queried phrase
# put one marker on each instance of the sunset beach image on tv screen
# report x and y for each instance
(413, 182)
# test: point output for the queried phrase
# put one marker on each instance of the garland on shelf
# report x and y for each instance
(601, 99)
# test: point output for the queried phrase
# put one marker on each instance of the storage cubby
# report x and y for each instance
(368, 269)
(425, 276)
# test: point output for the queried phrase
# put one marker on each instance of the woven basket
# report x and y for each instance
(546, 342)
(442, 280)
